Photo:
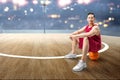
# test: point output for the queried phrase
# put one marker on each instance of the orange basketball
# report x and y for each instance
(93, 55)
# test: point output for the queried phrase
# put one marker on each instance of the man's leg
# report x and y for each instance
(74, 44)
(82, 63)
(85, 49)
(72, 53)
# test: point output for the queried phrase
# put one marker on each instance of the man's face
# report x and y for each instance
(90, 18)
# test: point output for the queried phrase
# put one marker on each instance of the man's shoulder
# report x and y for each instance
(96, 27)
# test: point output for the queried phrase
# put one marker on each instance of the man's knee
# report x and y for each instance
(86, 38)
(74, 38)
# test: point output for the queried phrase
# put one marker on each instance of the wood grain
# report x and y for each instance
(107, 67)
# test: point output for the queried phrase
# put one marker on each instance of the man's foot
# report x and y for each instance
(80, 66)
(71, 55)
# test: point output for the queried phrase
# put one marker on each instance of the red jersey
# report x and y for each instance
(94, 41)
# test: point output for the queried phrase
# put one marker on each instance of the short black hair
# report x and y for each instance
(91, 13)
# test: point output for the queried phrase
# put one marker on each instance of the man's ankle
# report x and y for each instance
(82, 60)
(73, 52)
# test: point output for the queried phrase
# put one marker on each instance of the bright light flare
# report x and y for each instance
(6, 9)
(87, 1)
(54, 16)
(31, 10)
(45, 2)
(71, 25)
(35, 2)
(64, 3)
(80, 1)
(105, 25)
(100, 23)
(84, 1)
(19, 2)
(3, 1)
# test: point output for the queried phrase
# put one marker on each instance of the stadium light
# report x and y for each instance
(45, 3)
(64, 3)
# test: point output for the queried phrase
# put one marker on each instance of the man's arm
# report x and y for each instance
(95, 31)
(79, 31)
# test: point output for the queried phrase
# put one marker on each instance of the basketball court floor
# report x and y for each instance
(41, 56)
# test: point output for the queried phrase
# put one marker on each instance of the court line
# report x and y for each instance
(106, 46)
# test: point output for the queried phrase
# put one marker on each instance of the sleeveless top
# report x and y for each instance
(94, 41)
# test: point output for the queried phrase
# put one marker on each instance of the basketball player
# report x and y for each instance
(89, 40)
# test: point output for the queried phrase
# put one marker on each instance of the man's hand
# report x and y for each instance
(72, 36)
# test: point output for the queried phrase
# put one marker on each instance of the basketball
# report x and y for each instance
(93, 55)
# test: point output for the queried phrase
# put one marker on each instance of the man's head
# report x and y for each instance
(90, 17)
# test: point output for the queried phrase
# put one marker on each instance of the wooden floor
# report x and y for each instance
(107, 67)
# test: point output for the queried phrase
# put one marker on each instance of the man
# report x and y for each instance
(88, 38)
